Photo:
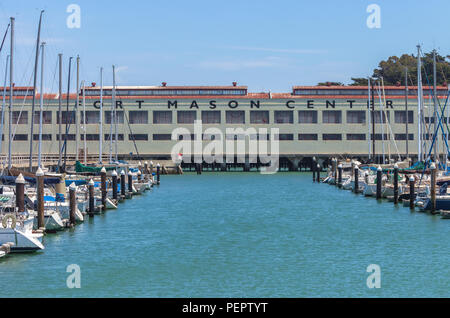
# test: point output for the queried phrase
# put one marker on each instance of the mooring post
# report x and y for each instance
(122, 184)
(334, 169)
(339, 183)
(20, 193)
(158, 172)
(411, 192)
(114, 184)
(91, 186)
(130, 182)
(103, 187)
(40, 198)
(396, 183)
(352, 170)
(379, 177)
(139, 175)
(433, 187)
(151, 169)
(72, 203)
(318, 173)
(356, 181)
(313, 169)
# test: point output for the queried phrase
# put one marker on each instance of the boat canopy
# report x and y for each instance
(12, 180)
(79, 167)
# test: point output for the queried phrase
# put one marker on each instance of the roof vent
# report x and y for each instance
(234, 84)
(164, 84)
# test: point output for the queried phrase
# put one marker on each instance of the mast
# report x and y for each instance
(406, 110)
(419, 103)
(84, 122)
(2, 123)
(11, 87)
(115, 113)
(60, 111)
(368, 117)
(76, 109)
(373, 124)
(41, 107)
(100, 150)
(36, 58)
(436, 145)
(67, 113)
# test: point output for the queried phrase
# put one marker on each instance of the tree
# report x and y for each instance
(330, 84)
(359, 81)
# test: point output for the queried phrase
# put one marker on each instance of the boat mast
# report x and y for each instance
(3, 104)
(60, 111)
(115, 113)
(419, 103)
(67, 113)
(41, 107)
(406, 111)
(368, 117)
(76, 109)
(436, 145)
(113, 102)
(373, 123)
(36, 58)
(84, 121)
(100, 150)
(11, 87)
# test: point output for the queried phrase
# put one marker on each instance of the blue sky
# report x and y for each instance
(267, 45)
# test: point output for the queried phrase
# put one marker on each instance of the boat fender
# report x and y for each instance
(7, 217)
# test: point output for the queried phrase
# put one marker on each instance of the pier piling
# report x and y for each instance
(158, 172)
(356, 181)
(139, 175)
(339, 183)
(103, 187)
(114, 184)
(313, 168)
(20, 193)
(379, 177)
(40, 198)
(411, 192)
(130, 182)
(146, 167)
(72, 203)
(122, 184)
(91, 198)
(396, 184)
(318, 173)
(433, 187)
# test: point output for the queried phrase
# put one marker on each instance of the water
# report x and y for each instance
(241, 235)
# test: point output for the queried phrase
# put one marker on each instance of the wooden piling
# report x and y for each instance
(313, 169)
(411, 192)
(158, 172)
(20, 193)
(339, 183)
(356, 180)
(433, 187)
(146, 168)
(103, 187)
(72, 203)
(396, 184)
(114, 185)
(130, 182)
(122, 184)
(91, 197)
(379, 179)
(40, 198)
(318, 173)
(139, 175)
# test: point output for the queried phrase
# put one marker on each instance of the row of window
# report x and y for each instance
(281, 137)
(214, 117)
(388, 92)
(166, 92)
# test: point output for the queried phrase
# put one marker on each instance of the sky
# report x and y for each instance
(266, 45)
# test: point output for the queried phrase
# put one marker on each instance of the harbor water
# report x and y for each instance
(241, 235)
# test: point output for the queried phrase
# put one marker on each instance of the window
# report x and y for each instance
(403, 136)
(119, 114)
(44, 137)
(66, 137)
(162, 117)
(259, 117)
(186, 137)
(119, 137)
(356, 136)
(235, 117)
(400, 117)
(138, 137)
(284, 117)
(162, 136)
(64, 117)
(307, 116)
(186, 116)
(331, 117)
(211, 137)
(356, 117)
(138, 117)
(211, 116)
(90, 137)
(429, 120)
(235, 137)
(92, 117)
(46, 117)
(380, 137)
(377, 117)
(331, 137)
(284, 137)
(260, 137)
(19, 117)
(20, 137)
(307, 137)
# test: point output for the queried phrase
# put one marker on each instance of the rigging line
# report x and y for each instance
(131, 132)
(389, 126)
(4, 37)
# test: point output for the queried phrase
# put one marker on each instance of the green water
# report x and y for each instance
(241, 235)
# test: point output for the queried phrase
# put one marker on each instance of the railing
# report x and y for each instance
(48, 159)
